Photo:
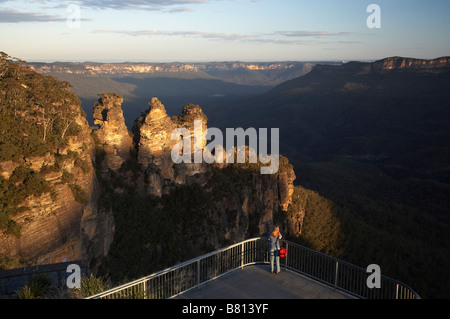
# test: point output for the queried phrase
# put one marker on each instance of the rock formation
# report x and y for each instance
(79, 184)
(112, 132)
(256, 199)
(286, 177)
(153, 133)
(153, 137)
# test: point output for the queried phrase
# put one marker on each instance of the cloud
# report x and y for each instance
(217, 36)
(152, 5)
(200, 34)
(13, 16)
(319, 34)
(279, 37)
(178, 9)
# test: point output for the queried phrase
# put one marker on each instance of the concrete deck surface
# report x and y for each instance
(256, 282)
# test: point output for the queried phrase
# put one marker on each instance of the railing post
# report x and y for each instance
(198, 272)
(336, 275)
(145, 289)
(286, 257)
(242, 255)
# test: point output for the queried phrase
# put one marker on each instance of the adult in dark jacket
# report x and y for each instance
(274, 249)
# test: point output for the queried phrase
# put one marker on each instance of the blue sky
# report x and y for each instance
(221, 30)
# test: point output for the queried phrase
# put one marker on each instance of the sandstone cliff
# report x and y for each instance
(439, 65)
(255, 199)
(49, 190)
(73, 192)
(159, 68)
(153, 137)
(111, 130)
(166, 212)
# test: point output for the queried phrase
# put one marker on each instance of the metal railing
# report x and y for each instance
(342, 275)
(191, 274)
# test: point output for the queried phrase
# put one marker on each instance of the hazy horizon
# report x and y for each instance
(187, 61)
(225, 61)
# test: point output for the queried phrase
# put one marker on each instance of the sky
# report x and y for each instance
(223, 30)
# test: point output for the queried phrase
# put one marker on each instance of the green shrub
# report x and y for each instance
(83, 164)
(37, 287)
(36, 185)
(22, 183)
(67, 177)
(10, 263)
(26, 292)
(19, 174)
(29, 182)
(45, 169)
(13, 228)
(78, 193)
(90, 286)
(37, 111)
(74, 130)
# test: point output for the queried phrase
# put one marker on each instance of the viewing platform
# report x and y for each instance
(241, 271)
(256, 282)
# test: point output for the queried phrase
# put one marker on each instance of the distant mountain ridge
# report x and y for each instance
(143, 67)
(280, 71)
(394, 63)
(437, 65)
(176, 83)
(368, 77)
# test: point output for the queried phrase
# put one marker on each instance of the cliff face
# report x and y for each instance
(439, 65)
(153, 136)
(245, 202)
(152, 68)
(88, 78)
(48, 185)
(51, 223)
(167, 211)
(64, 184)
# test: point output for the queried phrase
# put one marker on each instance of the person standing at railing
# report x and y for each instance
(274, 249)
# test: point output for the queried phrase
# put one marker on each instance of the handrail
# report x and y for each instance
(342, 275)
(192, 273)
